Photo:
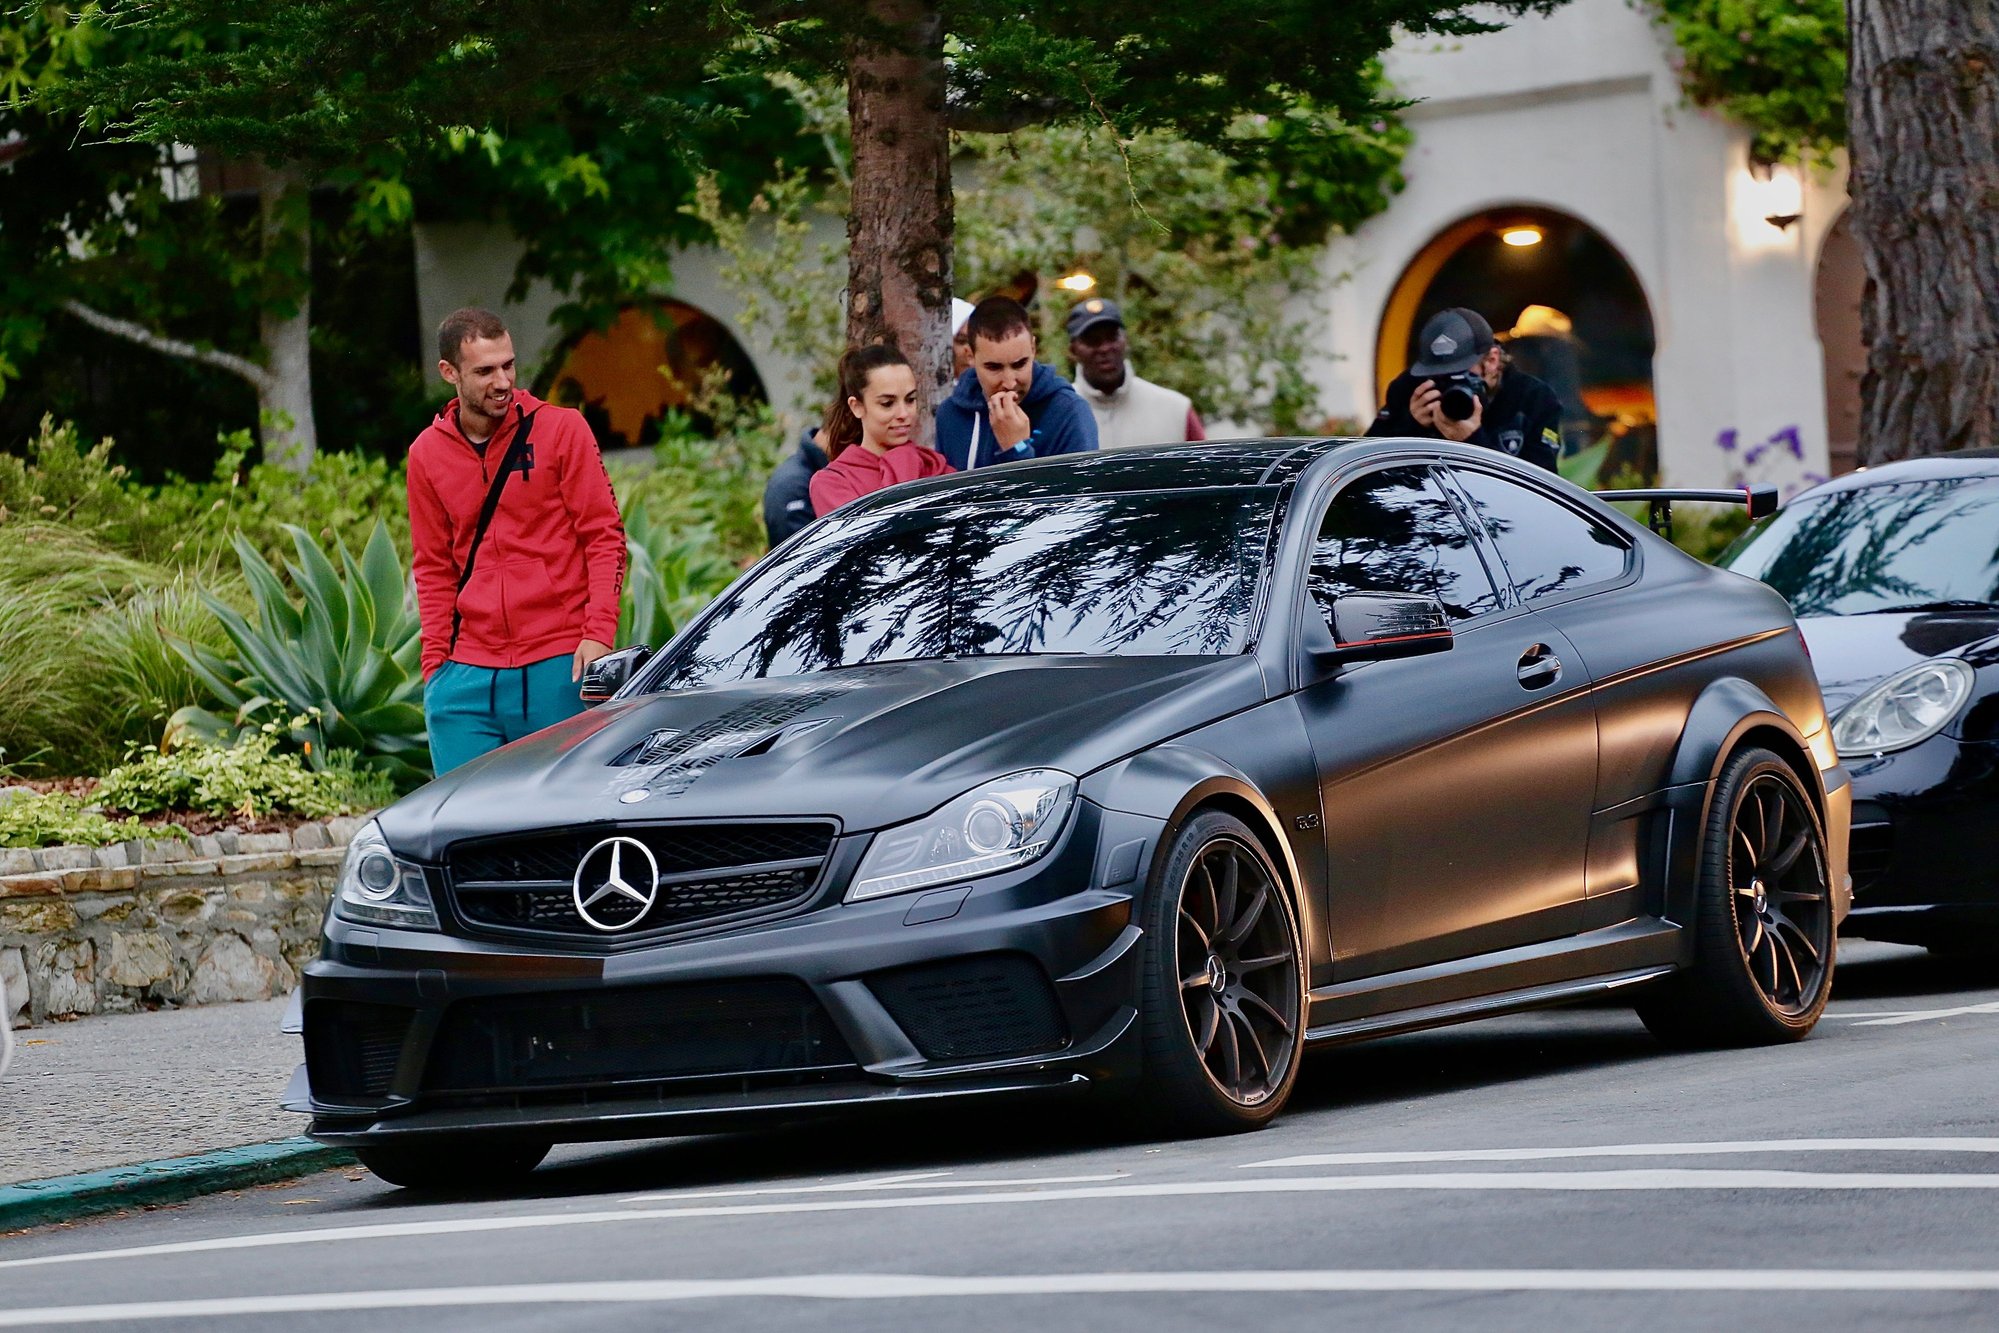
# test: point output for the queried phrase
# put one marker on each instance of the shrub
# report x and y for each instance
(249, 778)
(672, 577)
(35, 819)
(339, 671)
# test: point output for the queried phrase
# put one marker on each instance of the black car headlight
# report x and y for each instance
(999, 825)
(375, 887)
(1908, 707)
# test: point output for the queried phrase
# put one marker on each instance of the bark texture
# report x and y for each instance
(1923, 107)
(899, 227)
(284, 398)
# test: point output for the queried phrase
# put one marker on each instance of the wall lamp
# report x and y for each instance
(1779, 194)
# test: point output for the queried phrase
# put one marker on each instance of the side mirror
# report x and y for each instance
(608, 674)
(1374, 626)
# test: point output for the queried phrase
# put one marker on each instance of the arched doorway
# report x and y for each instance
(1569, 309)
(1838, 286)
(654, 358)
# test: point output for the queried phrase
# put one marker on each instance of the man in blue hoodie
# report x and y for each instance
(1009, 406)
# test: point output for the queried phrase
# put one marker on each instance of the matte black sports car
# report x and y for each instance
(1141, 769)
(1894, 576)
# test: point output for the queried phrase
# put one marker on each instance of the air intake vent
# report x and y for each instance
(982, 1007)
(351, 1050)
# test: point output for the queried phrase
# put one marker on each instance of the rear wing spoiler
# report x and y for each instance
(1761, 502)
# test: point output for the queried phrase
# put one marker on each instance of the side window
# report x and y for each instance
(1547, 547)
(1396, 531)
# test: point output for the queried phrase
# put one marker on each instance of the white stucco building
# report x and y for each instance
(1702, 333)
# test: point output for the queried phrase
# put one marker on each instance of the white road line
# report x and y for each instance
(885, 1183)
(1900, 1016)
(898, 1286)
(1580, 1181)
(1740, 1147)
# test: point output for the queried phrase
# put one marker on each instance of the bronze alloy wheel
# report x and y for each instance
(1224, 1003)
(1777, 882)
(1238, 972)
(1761, 919)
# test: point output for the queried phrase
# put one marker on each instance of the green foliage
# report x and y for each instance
(715, 484)
(81, 669)
(673, 576)
(251, 778)
(54, 819)
(1188, 242)
(336, 671)
(1777, 66)
(189, 524)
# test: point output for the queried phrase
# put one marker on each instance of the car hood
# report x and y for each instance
(1854, 653)
(869, 746)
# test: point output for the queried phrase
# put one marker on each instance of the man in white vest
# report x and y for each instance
(1129, 410)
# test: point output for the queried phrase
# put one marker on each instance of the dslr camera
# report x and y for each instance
(1460, 394)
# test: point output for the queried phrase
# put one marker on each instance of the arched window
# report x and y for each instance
(651, 360)
(1567, 306)
(1837, 288)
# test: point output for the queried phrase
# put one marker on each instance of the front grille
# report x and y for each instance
(760, 1026)
(351, 1049)
(981, 1007)
(707, 873)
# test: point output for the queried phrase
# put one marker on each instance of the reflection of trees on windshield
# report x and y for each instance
(1879, 546)
(1393, 531)
(1115, 574)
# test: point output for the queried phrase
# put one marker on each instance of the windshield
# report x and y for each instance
(1145, 574)
(1906, 545)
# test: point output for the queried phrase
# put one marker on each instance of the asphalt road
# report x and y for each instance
(1548, 1171)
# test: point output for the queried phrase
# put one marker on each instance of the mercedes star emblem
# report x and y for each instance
(612, 870)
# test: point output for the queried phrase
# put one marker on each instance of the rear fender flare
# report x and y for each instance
(1725, 715)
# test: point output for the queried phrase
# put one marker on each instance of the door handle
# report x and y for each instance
(1539, 667)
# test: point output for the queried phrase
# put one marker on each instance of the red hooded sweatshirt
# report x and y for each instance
(857, 472)
(550, 570)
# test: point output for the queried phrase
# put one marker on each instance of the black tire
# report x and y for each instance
(464, 1165)
(1224, 984)
(1764, 947)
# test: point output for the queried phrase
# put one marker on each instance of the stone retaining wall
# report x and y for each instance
(229, 916)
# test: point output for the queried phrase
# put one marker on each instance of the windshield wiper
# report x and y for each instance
(1943, 604)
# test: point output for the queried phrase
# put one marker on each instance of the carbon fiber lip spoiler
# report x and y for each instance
(1761, 502)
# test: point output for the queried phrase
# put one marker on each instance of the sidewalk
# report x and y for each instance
(114, 1090)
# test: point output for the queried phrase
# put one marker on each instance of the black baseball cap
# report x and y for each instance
(1452, 340)
(1088, 314)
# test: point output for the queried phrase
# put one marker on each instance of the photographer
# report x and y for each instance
(1462, 389)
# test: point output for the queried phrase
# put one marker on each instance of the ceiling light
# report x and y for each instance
(1521, 236)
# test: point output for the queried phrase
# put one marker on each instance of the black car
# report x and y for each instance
(1894, 575)
(1143, 770)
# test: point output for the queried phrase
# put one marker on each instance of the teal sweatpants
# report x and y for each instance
(469, 710)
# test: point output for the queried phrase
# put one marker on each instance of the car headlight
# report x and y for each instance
(1908, 707)
(376, 887)
(1007, 822)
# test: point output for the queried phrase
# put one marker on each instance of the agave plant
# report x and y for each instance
(340, 670)
(672, 577)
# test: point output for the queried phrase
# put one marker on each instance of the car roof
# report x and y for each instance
(1202, 464)
(1939, 467)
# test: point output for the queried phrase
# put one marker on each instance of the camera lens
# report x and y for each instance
(1457, 402)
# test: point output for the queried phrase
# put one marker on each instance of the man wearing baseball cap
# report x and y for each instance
(1461, 388)
(1129, 410)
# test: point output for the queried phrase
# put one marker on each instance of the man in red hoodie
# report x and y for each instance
(513, 615)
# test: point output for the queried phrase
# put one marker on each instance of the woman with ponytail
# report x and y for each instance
(870, 430)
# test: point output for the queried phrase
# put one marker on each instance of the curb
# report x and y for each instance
(38, 1202)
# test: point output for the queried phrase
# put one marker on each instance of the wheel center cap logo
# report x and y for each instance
(1759, 895)
(1218, 976)
(616, 884)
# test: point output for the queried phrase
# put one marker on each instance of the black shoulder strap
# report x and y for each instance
(517, 449)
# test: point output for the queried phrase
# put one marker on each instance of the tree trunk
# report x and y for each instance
(1923, 104)
(900, 224)
(284, 398)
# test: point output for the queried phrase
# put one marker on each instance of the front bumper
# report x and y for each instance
(1018, 982)
(1925, 842)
